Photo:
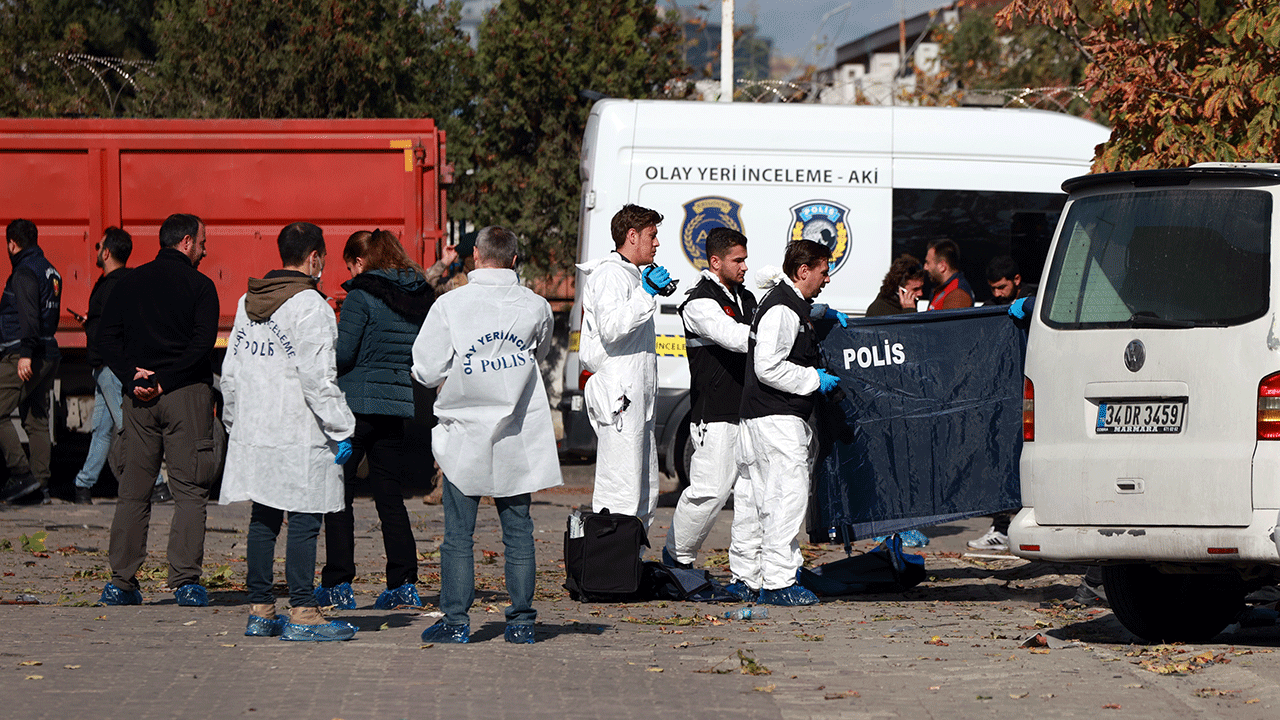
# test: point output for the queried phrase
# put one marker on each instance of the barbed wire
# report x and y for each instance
(101, 68)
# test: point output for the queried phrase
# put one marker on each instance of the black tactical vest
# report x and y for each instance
(715, 372)
(760, 400)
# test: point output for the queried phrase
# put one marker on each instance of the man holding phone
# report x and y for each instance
(113, 252)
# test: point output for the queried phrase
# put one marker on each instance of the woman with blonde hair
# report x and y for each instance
(387, 299)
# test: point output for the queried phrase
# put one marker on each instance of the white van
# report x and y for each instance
(873, 182)
(1153, 397)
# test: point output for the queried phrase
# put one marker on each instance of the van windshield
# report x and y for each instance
(1162, 258)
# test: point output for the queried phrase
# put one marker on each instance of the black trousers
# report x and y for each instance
(381, 438)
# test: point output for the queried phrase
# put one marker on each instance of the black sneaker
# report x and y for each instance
(160, 493)
(83, 496)
(18, 486)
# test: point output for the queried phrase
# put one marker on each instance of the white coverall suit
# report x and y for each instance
(617, 345)
(775, 458)
(713, 469)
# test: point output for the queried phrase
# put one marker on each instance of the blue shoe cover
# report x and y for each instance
(671, 562)
(339, 596)
(914, 538)
(519, 634)
(406, 594)
(444, 633)
(112, 595)
(262, 627)
(741, 591)
(335, 630)
(193, 595)
(791, 596)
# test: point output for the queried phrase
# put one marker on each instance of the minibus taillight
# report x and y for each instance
(1269, 407)
(1029, 410)
(582, 379)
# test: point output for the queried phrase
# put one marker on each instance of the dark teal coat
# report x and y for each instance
(380, 320)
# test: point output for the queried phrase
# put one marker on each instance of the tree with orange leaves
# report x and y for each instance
(1178, 81)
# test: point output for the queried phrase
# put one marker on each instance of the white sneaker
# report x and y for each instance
(993, 540)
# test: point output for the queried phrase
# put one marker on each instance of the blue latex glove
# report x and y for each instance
(655, 278)
(833, 314)
(1019, 309)
(826, 381)
(344, 452)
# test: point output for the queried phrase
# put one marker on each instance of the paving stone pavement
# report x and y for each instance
(947, 649)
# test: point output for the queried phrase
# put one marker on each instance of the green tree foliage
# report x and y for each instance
(73, 57)
(309, 59)
(1179, 81)
(535, 57)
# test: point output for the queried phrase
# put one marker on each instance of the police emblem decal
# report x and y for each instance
(700, 216)
(825, 222)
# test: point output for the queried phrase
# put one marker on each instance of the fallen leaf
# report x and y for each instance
(1111, 706)
(1134, 685)
(841, 695)
(31, 662)
(765, 688)
(935, 687)
(228, 644)
(654, 670)
(35, 677)
(1019, 697)
(1250, 702)
(936, 640)
(71, 667)
(1041, 651)
(190, 622)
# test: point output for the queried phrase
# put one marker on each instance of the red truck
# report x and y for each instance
(245, 178)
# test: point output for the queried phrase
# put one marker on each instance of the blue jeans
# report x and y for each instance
(299, 554)
(457, 558)
(106, 421)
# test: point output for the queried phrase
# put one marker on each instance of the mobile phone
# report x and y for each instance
(79, 318)
(146, 383)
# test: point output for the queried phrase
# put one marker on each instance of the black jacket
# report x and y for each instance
(163, 317)
(93, 316)
(30, 306)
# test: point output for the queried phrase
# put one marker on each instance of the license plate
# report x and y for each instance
(1140, 417)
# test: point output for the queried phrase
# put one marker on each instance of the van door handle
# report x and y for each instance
(1130, 486)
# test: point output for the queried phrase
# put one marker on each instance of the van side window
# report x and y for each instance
(984, 223)
(1164, 258)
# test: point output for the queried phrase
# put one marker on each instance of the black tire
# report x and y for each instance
(684, 453)
(1160, 607)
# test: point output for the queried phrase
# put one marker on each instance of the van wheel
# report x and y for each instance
(1162, 607)
(684, 448)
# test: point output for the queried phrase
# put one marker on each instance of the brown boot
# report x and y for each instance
(306, 616)
(264, 610)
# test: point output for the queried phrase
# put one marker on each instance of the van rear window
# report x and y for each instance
(1161, 258)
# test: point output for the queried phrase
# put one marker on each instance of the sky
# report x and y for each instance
(792, 23)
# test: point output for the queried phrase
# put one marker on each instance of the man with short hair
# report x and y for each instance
(775, 443)
(717, 326)
(1005, 278)
(290, 431)
(483, 341)
(617, 345)
(113, 252)
(157, 335)
(950, 288)
(29, 312)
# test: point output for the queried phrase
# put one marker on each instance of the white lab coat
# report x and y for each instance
(483, 341)
(617, 344)
(283, 408)
(775, 459)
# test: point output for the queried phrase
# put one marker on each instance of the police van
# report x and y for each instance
(1152, 395)
(870, 182)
